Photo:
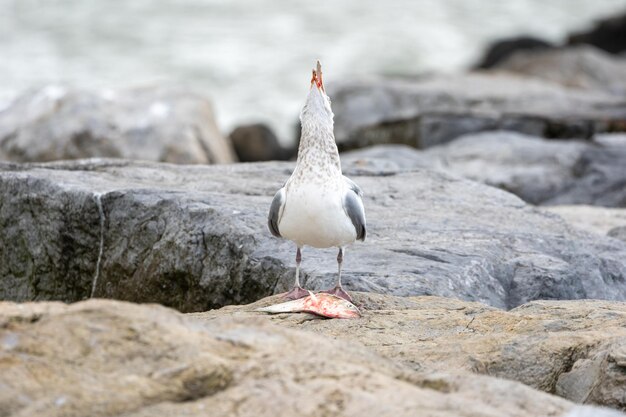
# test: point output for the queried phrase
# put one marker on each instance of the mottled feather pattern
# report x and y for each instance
(318, 205)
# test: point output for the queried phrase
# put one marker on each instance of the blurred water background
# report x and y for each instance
(253, 58)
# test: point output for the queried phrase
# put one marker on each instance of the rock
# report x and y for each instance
(502, 49)
(576, 349)
(618, 233)
(532, 168)
(579, 67)
(540, 171)
(435, 110)
(601, 179)
(257, 142)
(195, 237)
(387, 160)
(587, 411)
(156, 124)
(611, 139)
(608, 34)
(594, 219)
(109, 358)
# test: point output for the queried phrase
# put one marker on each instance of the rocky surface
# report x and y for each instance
(539, 171)
(195, 237)
(257, 142)
(580, 67)
(602, 220)
(155, 124)
(575, 349)
(106, 358)
(434, 110)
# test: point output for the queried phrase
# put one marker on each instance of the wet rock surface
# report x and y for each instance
(153, 123)
(575, 349)
(109, 358)
(195, 237)
(434, 110)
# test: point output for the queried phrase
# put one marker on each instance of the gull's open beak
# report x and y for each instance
(317, 77)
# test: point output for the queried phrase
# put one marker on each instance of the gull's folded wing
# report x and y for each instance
(276, 211)
(353, 205)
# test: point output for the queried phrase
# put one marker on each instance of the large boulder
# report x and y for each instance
(108, 359)
(502, 49)
(257, 142)
(434, 110)
(539, 171)
(195, 237)
(580, 67)
(575, 349)
(154, 124)
(608, 34)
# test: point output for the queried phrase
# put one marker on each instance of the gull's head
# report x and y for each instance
(317, 107)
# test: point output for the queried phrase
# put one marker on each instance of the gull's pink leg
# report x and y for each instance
(297, 291)
(338, 290)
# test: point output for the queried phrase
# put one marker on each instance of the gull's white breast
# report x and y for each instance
(314, 215)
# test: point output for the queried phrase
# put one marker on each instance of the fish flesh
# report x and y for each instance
(322, 304)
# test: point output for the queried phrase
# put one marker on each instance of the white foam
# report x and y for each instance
(160, 109)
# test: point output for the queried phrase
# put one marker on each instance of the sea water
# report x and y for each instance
(253, 58)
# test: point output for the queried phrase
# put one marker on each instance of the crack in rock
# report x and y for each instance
(98, 201)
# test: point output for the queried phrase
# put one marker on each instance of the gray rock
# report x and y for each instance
(608, 34)
(502, 49)
(155, 124)
(387, 160)
(257, 142)
(611, 139)
(435, 110)
(579, 67)
(195, 237)
(532, 168)
(540, 171)
(600, 179)
(618, 233)
(602, 220)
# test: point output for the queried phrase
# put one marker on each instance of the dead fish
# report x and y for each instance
(322, 304)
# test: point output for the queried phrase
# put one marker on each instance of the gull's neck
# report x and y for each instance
(317, 150)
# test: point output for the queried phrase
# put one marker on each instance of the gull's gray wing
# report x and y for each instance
(276, 211)
(352, 185)
(353, 205)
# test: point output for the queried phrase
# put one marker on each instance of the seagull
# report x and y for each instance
(318, 206)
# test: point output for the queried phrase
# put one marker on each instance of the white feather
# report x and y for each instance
(313, 213)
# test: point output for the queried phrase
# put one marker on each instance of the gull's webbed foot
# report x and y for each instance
(340, 292)
(296, 293)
